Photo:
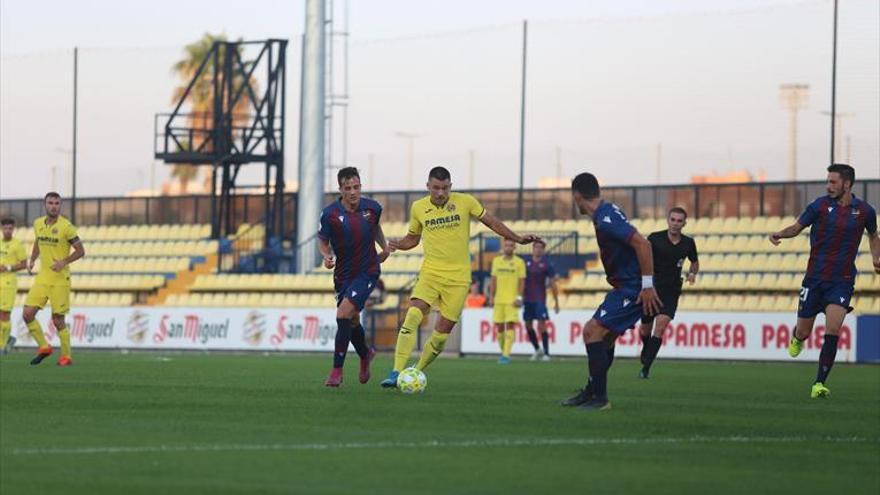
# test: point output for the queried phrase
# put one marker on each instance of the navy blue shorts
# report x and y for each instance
(357, 289)
(535, 311)
(619, 311)
(816, 294)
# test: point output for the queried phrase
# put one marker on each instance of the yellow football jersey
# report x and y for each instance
(11, 253)
(54, 241)
(507, 275)
(446, 233)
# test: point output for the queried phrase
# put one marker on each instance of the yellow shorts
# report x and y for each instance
(440, 292)
(57, 295)
(505, 313)
(7, 295)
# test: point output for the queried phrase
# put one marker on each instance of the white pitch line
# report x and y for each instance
(527, 442)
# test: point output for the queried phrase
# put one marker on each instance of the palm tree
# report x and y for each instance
(201, 100)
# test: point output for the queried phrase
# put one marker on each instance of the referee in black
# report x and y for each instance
(670, 248)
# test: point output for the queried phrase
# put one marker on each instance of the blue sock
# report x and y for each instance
(826, 357)
(597, 360)
(611, 355)
(359, 341)
(343, 337)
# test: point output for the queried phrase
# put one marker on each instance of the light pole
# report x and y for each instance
(410, 145)
(793, 98)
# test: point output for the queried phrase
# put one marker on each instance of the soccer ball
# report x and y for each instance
(412, 381)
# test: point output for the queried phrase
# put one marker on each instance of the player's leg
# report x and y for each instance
(834, 315)
(652, 346)
(810, 303)
(35, 300)
(5, 332)
(451, 301)
(59, 299)
(599, 358)
(365, 352)
(498, 328)
(645, 328)
(533, 338)
(545, 338)
(7, 301)
(529, 320)
(437, 342)
(408, 334)
(509, 333)
(344, 313)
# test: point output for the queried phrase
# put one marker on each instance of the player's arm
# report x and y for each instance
(693, 270)
(787, 233)
(493, 282)
(648, 296)
(410, 241)
(383, 243)
(504, 231)
(326, 252)
(520, 286)
(694, 267)
(874, 244)
(14, 267)
(35, 253)
(554, 289)
(78, 252)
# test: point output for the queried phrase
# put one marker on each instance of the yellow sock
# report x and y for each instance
(508, 342)
(500, 337)
(37, 333)
(64, 337)
(406, 338)
(432, 349)
(5, 330)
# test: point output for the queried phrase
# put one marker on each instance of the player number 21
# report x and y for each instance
(804, 292)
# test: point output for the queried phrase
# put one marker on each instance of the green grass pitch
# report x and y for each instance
(150, 423)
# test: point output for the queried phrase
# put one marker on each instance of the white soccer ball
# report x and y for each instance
(412, 381)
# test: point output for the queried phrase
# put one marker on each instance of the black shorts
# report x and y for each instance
(669, 297)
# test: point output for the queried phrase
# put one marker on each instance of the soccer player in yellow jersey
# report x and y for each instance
(505, 294)
(54, 236)
(443, 220)
(12, 259)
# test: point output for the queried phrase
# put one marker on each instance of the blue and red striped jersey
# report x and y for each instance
(538, 272)
(613, 233)
(352, 235)
(835, 236)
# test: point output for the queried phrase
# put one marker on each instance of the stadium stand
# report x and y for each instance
(176, 265)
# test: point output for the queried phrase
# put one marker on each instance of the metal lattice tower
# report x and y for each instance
(245, 125)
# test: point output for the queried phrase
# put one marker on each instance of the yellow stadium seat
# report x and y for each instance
(754, 282)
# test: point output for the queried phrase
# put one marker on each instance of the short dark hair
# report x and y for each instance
(586, 184)
(51, 194)
(439, 173)
(677, 209)
(346, 173)
(539, 241)
(7, 221)
(846, 172)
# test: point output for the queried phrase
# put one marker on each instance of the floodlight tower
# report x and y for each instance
(793, 98)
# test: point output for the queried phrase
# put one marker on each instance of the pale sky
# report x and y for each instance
(608, 81)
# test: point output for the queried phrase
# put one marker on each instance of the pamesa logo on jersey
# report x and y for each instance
(443, 222)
